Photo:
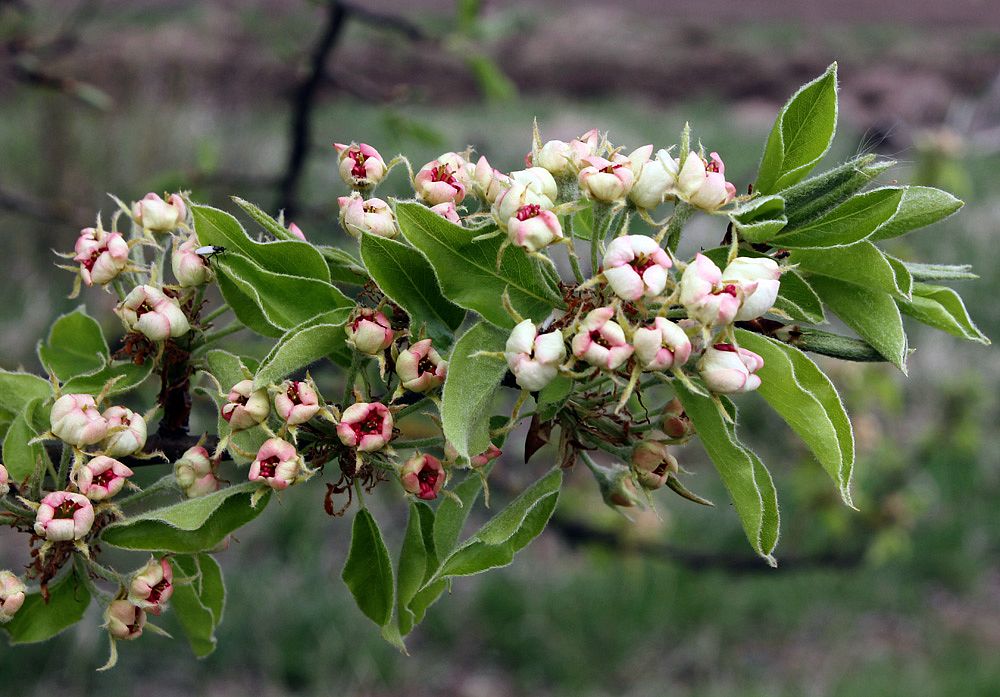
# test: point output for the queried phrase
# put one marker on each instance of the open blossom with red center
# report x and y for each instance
(75, 419)
(707, 298)
(366, 426)
(245, 407)
(534, 228)
(124, 620)
(437, 182)
(297, 402)
(278, 464)
(661, 345)
(423, 476)
(11, 595)
(152, 585)
(64, 516)
(151, 312)
(361, 165)
(102, 478)
(126, 432)
(703, 184)
(600, 340)
(635, 266)
(102, 255)
(359, 215)
(369, 331)
(727, 369)
(421, 368)
(156, 215)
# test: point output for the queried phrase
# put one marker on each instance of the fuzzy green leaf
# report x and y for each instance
(267, 222)
(344, 268)
(801, 135)
(191, 526)
(126, 374)
(407, 278)
(467, 271)
(198, 605)
(942, 308)
(920, 206)
(75, 346)
(816, 195)
(759, 219)
(863, 264)
(940, 272)
(451, 516)
(19, 458)
(417, 561)
(744, 475)
(850, 222)
(17, 389)
(368, 570)
(230, 369)
(310, 341)
(38, 621)
(798, 300)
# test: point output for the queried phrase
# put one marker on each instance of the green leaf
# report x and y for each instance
(920, 206)
(198, 605)
(368, 570)
(292, 257)
(191, 526)
(344, 268)
(470, 387)
(451, 515)
(267, 222)
(417, 561)
(872, 314)
(493, 84)
(407, 278)
(506, 533)
(829, 344)
(39, 621)
(806, 399)
(230, 369)
(467, 271)
(801, 135)
(798, 300)
(850, 222)
(126, 374)
(744, 475)
(246, 305)
(310, 341)
(759, 219)
(285, 301)
(75, 346)
(942, 308)
(863, 264)
(553, 396)
(933, 272)
(815, 196)
(17, 389)
(20, 458)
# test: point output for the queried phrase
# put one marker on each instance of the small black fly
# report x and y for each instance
(209, 251)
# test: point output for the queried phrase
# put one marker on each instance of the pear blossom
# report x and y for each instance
(151, 312)
(11, 595)
(190, 268)
(156, 215)
(126, 432)
(245, 407)
(703, 184)
(661, 345)
(760, 273)
(152, 585)
(278, 464)
(437, 182)
(102, 478)
(707, 298)
(124, 620)
(490, 182)
(75, 419)
(102, 255)
(534, 358)
(635, 266)
(296, 403)
(448, 211)
(366, 426)
(420, 367)
(727, 369)
(361, 166)
(369, 332)
(601, 341)
(423, 476)
(63, 516)
(359, 215)
(533, 228)
(655, 181)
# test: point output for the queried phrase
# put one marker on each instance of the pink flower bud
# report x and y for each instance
(483, 458)
(534, 228)
(706, 297)
(661, 345)
(246, 407)
(369, 332)
(423, 476)
(102, 478)
(4, 481)
(490, 183)
(420, 368)
(534, 358)
(515, 198)
(296, 403)
(538, 180)
(124, 621)
(149, 311)
(610, 180)
(703, 184)
(366, 426)
(297, 231)
(361, 165)
(152, 585)
(11, 595)
(278, 464)
(437, 182)
(600, 341)
(358, 216)
(195, 473)
(759, 273)
(465, 171)
(564, 159)
(655, 181)
(448, 211)
(635, 266)
(726, 369)
(126, 432)
(64, 516)
(190, 269)
(653, 463)
(102, 255)
(156, 215)
(75, 419)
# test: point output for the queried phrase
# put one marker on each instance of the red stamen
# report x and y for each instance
(530, 211)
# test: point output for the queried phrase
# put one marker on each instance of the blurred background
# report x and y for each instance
(245, 97)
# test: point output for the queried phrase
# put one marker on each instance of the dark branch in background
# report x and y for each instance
(22, 204)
